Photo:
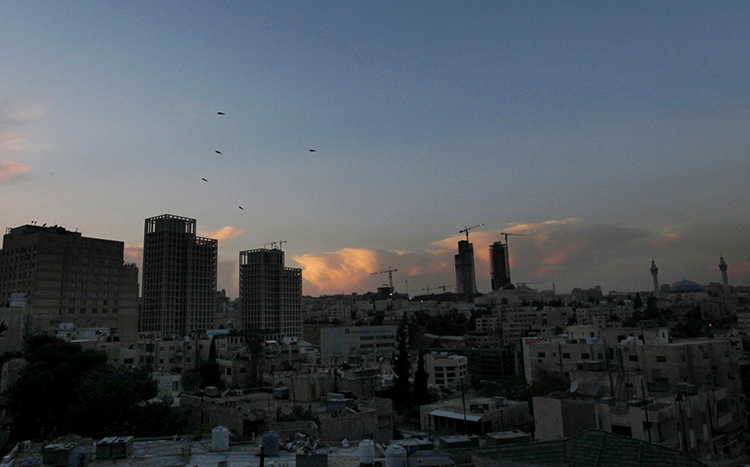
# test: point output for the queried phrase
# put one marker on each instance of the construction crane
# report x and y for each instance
(467, 229)
(428, 289)
(390, 275)
(273, 244)
(445, 286)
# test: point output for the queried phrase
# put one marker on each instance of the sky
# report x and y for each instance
(605, 134)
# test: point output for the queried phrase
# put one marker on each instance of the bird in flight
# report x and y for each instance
(313, 150)
(204, 179)
(221, 113)
(218, 152)
(241, 207)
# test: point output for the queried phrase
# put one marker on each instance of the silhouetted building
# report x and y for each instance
(466, 283)
(270, 294)
(179, 277)
(499, 265)
(69, 278)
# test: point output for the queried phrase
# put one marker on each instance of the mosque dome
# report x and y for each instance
(509, 286)
(685, 286)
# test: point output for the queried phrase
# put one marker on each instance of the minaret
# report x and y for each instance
(723, 268)
(655, 276)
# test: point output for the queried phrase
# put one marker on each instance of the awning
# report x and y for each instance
(455, 416)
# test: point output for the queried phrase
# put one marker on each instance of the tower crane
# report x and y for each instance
(390, 275)
(467, 229)
(273, 244)
(445, 286)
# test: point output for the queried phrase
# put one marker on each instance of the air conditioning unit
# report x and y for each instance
(378, 462)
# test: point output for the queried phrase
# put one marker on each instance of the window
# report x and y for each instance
(566, 355)
(633, 358)
(661, 358)
(541, 355)
(585, 356)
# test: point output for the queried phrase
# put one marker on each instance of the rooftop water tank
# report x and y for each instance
(366, 451)
(271, 443)
(395, 456)
(220, 439)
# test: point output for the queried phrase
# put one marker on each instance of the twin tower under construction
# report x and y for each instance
(466, 283)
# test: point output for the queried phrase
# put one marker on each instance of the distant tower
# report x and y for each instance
(655, 276)
(500, 270)
(723, 268)
(466, 283)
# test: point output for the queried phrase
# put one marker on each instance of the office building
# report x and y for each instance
(69, 278)
(466, 283)
(270, 294)
(179, 277)
(499, 265)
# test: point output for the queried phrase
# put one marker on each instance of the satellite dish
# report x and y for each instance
(595, 390)
(573, 386)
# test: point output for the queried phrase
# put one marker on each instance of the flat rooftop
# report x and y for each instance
(172, 453)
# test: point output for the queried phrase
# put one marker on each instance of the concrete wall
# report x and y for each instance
(548, 419)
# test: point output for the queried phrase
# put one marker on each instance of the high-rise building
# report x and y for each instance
(270, 294)
(69, 278)
(466, 283)
(499, 265)
(179, 277)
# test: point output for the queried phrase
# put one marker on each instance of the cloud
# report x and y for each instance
(12, 171)
(557, 250)
(133, 253)
(338, 270)
(13, 141)
(225, 234)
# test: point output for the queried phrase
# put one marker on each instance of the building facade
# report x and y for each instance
(179, 277)
(69, 278)
(466, 281)
(270, 294)
(499, 265)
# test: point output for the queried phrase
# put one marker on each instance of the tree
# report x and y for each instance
(421, 393)
(637, 302)
(402, 367)
(66, 390)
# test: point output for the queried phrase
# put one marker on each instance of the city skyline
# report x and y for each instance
(608, 134)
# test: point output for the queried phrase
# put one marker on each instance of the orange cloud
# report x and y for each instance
(337, 270)
(10, 171)
(133, 253)
(225, 234)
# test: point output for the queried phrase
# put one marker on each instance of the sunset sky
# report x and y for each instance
(608, 133)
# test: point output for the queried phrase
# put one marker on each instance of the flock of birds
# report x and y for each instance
(219, 152)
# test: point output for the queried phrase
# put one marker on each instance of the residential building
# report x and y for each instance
(477, 416)
(69, 278)
(364, 339)
(270, 294)
(703, 423)
(445, 369)
(179, 277)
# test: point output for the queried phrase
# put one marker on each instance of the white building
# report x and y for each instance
(445, 370)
